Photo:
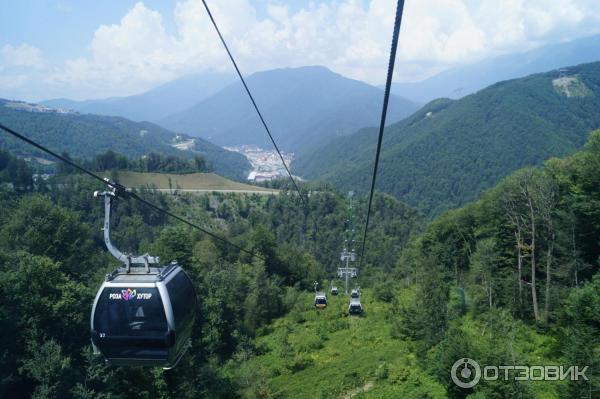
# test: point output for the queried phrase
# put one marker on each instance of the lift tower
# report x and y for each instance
(347, 272)
(348, 254)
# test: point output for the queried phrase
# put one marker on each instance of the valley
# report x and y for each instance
(476, 245)
(266, 165)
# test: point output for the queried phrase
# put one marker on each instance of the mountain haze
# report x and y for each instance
(461, 81)
(449, 151)
(154, 104)
(304, 107)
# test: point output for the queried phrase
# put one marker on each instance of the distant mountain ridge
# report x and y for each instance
(304, 107)
(85, 135)
(461, 81)
(449, 151)
(155, 104)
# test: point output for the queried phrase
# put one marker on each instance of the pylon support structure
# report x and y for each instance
(347, 272)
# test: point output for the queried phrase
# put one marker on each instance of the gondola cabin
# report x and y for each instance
(354, 293)
(355, 307)
(334, 291)
(144, 316)
(320, 300)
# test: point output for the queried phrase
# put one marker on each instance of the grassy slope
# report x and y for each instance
(333, 355)
(192, 181)
(328, 354)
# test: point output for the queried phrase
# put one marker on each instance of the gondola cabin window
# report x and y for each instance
(182, 297)
(130, 312)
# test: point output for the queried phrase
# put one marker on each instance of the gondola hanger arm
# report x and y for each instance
(128, 260)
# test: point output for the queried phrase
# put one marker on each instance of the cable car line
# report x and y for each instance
(146, 315)
(386, 97)
(125, 191)
(264, 123)
(60, 157)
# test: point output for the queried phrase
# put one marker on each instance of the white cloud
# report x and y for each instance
(19, 66)
(349, 36)
(24, 55)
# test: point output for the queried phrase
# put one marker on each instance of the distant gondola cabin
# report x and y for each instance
(355, 307)
(320, 300)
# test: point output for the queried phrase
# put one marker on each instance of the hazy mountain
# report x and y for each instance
(85, 135)
(449, 151)
(303, 107)
(461, 81)
(154, 104)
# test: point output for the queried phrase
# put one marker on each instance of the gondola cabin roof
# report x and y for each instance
(141, 274)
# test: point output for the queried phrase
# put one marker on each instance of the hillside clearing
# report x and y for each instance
(328, 354)
(193, 182)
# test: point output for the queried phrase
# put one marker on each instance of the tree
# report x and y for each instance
(46, 365)
(433, 296)
(175, 244)
(41, 228)
(581, 337)
(546, 201)
(516, 218)
(484, 261)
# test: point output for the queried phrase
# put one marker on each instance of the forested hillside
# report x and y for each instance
(304, 107)
(512, 278)
(509, 279)
(53, 259)
(83, 136)
(448, 152)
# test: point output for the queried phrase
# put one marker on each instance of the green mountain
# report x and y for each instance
(304, 107)
(449, 151)
(87, 135)
(155, 104)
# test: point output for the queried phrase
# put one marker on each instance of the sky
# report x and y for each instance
(85, 49)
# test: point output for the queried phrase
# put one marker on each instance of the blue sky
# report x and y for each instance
(64, 29)
(91, 49)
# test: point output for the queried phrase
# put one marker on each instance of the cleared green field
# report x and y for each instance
(327, 354)
(189, 182)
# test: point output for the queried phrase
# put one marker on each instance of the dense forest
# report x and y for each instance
(86, 135)
(509, 279)
(448, 152)
(153, 162)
